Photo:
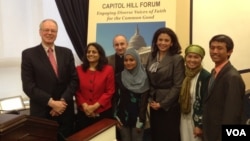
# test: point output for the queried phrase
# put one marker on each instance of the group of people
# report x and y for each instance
(185, 101)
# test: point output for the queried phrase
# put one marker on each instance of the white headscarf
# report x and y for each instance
(135, 80)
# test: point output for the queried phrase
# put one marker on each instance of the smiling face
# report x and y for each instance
(48, 32)
(193, 60)
(93, 55)
(218, 52)
(120, 44)
(164, 42)
(129, 62)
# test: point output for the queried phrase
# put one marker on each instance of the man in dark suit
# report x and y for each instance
(224, 102)
(50, 89)
(120, 45)
(116, 60)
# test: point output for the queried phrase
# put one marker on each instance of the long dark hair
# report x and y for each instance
(174, 49)
(102, 60)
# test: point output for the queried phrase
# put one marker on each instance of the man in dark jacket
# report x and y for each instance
(50, 86)
(224, 102)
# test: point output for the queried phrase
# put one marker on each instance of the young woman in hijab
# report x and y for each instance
(131, 97)
(194, 88)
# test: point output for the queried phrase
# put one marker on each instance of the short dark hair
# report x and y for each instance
(224, 39)
(102, 60)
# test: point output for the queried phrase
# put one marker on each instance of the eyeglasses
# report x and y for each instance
(49, 30)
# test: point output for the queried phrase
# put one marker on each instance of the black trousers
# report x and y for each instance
(84, 121)
(165, 125)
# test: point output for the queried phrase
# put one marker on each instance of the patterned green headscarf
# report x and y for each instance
(195, 49)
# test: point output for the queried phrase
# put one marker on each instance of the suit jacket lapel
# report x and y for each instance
(219, 75)
(166, 60)
(59, 59)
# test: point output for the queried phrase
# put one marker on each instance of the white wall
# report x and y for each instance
(19, 29)
(231, 17)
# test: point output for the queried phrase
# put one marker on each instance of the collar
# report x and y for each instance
(46, 47)
(119, 56)
(218, 68)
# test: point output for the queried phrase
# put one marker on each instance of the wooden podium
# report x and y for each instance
(26, 128)
(103, 130)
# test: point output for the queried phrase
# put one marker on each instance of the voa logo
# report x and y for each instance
(236, 132)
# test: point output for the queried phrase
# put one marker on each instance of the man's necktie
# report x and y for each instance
(211, 81)
(52, 60)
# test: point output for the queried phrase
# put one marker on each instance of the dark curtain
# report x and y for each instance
(74, 14)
